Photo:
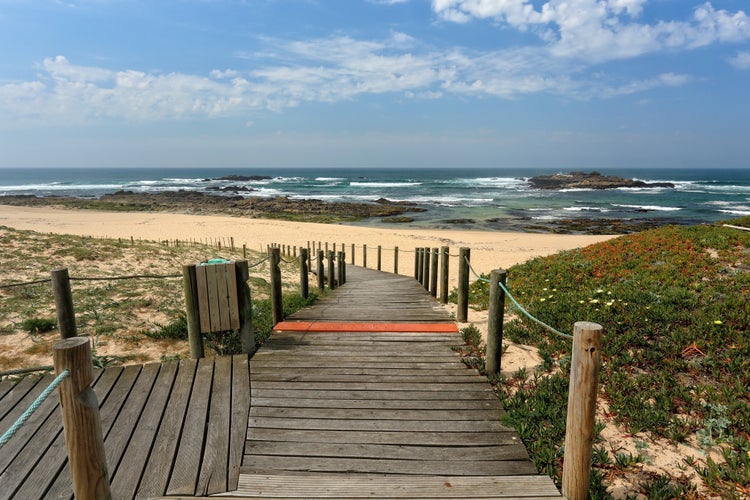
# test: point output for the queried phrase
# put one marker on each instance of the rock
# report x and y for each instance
(592, 180)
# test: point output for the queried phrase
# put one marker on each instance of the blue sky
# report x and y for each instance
(348, 83)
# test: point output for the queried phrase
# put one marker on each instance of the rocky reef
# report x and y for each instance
(591, 180)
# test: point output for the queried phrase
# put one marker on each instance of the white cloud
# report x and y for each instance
(741, 60)
(601, 30)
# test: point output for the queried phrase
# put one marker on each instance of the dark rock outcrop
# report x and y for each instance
(592, 180)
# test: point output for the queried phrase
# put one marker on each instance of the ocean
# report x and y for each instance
(460, 198)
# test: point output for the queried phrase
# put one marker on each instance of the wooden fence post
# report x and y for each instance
(462, 314)
(303, 273)
(579, 427)
(191, 311)
(342, 246)
(247, 333)
(66, 316)
(244, 251)
(444, 261)
(277, 304)
(434, 272)
(495, 322)
(417, 267)
(395, 260)
(331, 273)
(364, 255)
(340, 261)
(426, 268)
(379, 256)
(80, 415)
(321, 271)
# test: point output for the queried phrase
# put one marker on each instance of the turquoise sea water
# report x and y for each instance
(453, 198)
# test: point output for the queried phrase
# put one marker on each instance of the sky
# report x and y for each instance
(375, 83)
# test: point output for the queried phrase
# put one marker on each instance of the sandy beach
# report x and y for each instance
(489, 250)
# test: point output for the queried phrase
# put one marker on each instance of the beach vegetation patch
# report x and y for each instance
(39, 325)
(676, 352)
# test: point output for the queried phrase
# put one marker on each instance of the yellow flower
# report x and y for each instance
(542, 299)
(718, 322)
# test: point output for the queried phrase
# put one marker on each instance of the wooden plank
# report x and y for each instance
(212, 287)
(378, 425)
(240, 410)
(212, 477)
(421, 415)
(424, 438)
(233, 295)
(375, 395)
(389, 451)
(18, 400)
(276, 362)
(204, 309)
(184, 478)
(222, 292)
(6, 386)
(302, 377)
(354, 486)
(157, 471)
(381, 404)
(374, 386)
(260, 463)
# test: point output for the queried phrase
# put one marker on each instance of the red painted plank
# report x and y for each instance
(322, 326)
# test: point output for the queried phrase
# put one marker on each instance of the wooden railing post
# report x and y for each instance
(80, 415)
(417, 266)
(462, 314)
(495, 322)
(341, 263)
(395, 260)
(364, 255)
(331, 273)
(66, 316)
(277, 305)
(342, 246)
(579, 427)
(189, 285)
(303, 273)
(444, 261)
(426, 268)
(244, 251)
(247, 333)
(380, 249)
(434, 272)
(321, 270)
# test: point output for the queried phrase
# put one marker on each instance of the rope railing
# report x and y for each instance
(519, 306)
(261, 261)
(131, 277)
(26, 283)
(34, 407)
(22, 371)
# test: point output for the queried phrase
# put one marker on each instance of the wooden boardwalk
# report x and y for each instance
(175, 428)
(362, 396)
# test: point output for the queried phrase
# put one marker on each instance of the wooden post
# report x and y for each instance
(434, 272)
(464, 254)
(80, 415)
(343, 267)
(277, 306)
(395, 260)
(340, 262)
(66, 316)
(244, 251)
(247, 333)
(579, 427)
(380, 249)
(342, 246)
(417, 267)
(495, 322)
(189, 285)
(326, 248)
(364, 255)
(303, 273)
(321, 270)
(331, 274)
(444, 264)
(426, 268)
(231, 239)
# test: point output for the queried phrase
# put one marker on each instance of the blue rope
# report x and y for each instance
(34, 407)
(518, 306)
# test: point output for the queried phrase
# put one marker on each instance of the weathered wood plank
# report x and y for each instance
(297, 377)
(260, 463)
(377, 425)
(240, 409)
(156, 476)
(212, 477)
(421, 415)
(389, 451)
(380, 404)
(187, 462)
(373, 394)
(441, 438)
(374, 386)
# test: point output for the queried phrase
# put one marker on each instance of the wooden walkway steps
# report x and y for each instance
(175, 428)
(362, 396)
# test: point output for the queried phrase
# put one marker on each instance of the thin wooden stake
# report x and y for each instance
(495, 322)
(66, 317)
